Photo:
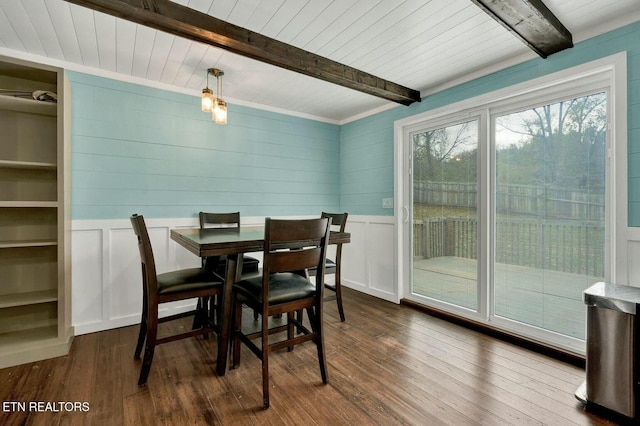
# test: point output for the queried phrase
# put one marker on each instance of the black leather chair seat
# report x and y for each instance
(283, 287)
(185, 280)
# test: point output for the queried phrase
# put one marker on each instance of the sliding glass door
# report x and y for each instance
(509, 220)
(445, 219)
(549, 211)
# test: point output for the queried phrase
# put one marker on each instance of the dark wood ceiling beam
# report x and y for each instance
(188, 23)
(532, 22)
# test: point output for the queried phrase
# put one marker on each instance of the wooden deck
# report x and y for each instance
(547, 299)
(388, 365)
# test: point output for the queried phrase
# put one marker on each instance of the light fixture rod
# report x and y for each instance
(217, 73)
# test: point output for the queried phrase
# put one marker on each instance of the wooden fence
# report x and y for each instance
(558, 246)
(529, 200)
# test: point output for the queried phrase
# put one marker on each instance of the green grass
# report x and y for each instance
(430, 210)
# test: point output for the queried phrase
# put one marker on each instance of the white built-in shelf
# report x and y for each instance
(32, 165)
(27, 243)
(50, 204)
(31, 106)
(29, 336)
(35, 297)
(30, 298)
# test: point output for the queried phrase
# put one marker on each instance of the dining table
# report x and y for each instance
(232, 242)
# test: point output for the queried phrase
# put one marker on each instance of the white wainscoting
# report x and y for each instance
(106, 274)
(369, 261)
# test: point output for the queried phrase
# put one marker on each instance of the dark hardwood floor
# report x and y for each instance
(388, 365)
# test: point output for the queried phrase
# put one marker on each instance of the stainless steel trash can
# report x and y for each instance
(612, 328)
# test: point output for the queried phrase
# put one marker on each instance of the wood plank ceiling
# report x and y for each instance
(419, 44)
(182, 21)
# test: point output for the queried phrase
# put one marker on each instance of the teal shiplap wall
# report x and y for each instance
(145, 150)
(367, 148)
(137, 149)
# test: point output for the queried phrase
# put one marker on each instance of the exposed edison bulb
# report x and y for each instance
(207, 100)
(219, 114)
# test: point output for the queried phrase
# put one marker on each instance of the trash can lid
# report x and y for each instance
(621, 298)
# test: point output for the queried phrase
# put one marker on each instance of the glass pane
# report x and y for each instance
(550, 196)
(445, 221)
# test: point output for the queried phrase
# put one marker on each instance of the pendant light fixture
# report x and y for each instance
(207, 96)
(214, 103)
(219, 105)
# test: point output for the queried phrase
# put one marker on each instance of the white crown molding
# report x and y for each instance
(374, 111)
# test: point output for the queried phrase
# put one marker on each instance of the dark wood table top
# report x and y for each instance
(219, 241)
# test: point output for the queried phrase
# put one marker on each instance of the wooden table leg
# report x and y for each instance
(233, 274)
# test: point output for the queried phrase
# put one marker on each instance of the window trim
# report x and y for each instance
(610, 74)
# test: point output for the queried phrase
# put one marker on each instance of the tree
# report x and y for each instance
(564, 142)
(445, 153)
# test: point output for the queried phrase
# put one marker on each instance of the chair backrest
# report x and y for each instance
(295, 245)
(149, 278)
(339, 221)
(217, 220)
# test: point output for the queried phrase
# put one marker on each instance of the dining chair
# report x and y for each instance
(339, 221)
(290, 247)
(169, 287)
(218, 264)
